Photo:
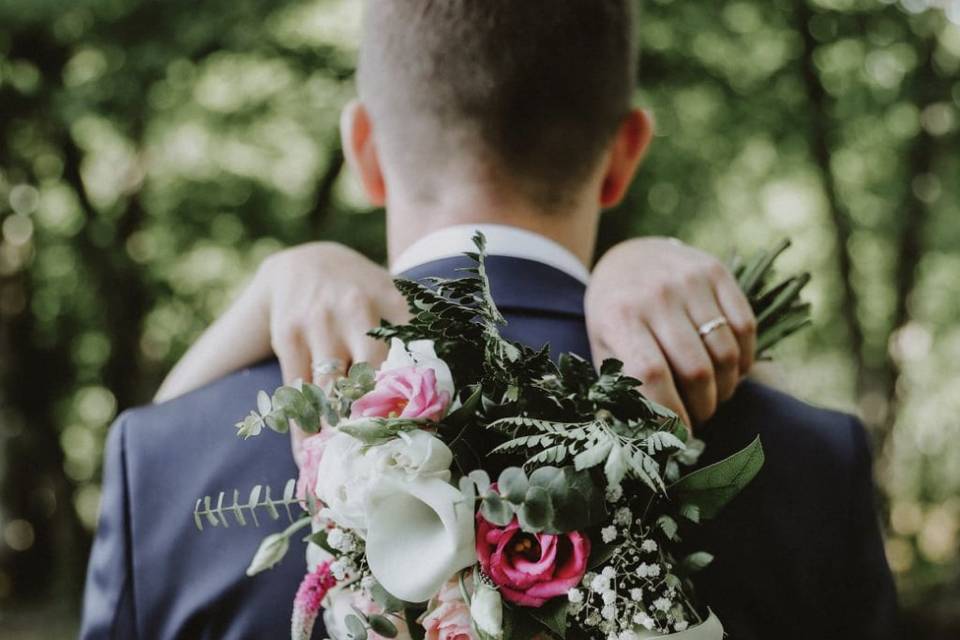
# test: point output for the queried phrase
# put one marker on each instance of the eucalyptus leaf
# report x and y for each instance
(496, 510)
(355, 627)
(263, 402)
(381, 625)
(513, 484)
(536, 512)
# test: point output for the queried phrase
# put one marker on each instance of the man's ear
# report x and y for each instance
(629, 145)
(356, 135)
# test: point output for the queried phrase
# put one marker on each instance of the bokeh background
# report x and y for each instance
(153, 153)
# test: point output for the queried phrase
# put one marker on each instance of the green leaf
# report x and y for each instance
(249, 426)
(277, 421)
(600, 552)
(387, 601)
(319, 538)
(496, 510)
(381, 625)
(536, 512)
(546, 476)
(669, 527)
(553, 616)
(263, 402)
(513, 484)
(616, 466)
(691, 512)
(713, 486)
(415, 629)
(481, 479)
(696, 561)
(253, 501)
(355, 627)
(462, 414)
(594, 455)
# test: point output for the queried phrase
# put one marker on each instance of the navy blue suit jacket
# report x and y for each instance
(798, 553)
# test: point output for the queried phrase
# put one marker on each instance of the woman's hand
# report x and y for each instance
(647, 301)
(309, 305)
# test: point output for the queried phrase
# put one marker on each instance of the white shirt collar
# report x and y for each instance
(502, 240)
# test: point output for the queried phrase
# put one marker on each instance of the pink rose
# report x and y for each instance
(311, 453)
(531, 568)
(449, 619)
(404, 392)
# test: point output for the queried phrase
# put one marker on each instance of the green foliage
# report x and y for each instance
(551, 499)
(713, 486)
(777, 306)
(260, 499)
(359, 624)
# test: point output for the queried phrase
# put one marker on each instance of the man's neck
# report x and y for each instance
(575, 231)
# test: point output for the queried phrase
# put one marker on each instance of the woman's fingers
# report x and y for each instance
(736, 308)
(355, 326)
(643, 359)
(291, 351)
(720, 342)
(688, 358)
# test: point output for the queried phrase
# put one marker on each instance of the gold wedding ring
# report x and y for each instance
(710, 326)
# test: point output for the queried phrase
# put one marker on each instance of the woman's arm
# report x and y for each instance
(315, 303)
(308, 304)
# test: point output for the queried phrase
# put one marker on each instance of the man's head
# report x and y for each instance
(526, 95)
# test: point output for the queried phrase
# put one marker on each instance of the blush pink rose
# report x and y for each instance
(405, 392)
(311, 453)
(449, 619)
(531, 568)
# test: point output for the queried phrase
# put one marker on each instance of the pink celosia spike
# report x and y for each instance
(307, 603)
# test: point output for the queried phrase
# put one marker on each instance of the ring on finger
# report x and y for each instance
(328, 367)
(710, 326)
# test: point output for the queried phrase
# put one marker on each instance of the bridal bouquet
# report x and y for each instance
(473, 488)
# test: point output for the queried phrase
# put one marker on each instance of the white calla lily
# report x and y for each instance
(419, 533)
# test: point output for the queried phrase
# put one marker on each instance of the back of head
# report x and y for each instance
(530, 90)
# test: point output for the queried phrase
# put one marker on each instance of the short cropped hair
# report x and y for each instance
(536, 87)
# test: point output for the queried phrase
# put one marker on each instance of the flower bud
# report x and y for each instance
(271, 551)
(486, 609)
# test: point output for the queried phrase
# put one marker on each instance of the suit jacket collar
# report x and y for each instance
(502, 240)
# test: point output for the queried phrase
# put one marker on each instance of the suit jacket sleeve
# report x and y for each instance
(108, 604)
(871, 603)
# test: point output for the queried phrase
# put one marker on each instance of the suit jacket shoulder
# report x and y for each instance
(799, 551)
(180, 582)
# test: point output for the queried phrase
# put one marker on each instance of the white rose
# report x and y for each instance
(412, 454)
(346, 471)
(343, 477)
(486, 609)
(419, 353)
(419, 533)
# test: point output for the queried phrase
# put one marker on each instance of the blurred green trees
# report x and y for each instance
(152, 153)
